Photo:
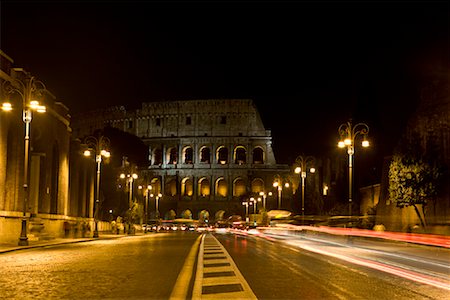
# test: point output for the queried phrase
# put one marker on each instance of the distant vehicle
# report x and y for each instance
(152, 225)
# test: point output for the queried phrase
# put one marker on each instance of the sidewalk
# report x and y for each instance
(58, 241)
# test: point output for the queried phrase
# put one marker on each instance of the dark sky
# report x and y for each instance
(308, 66)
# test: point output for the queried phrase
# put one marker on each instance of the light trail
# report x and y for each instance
(414, 276)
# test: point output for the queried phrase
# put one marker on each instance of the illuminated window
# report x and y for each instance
(240, 155)
(239, 188)
(258, 155)
(203, 187)
(188, 155)
(222, 155)
(187, 187)
(172, 156)
(205, 155)
(221, 187)
(170, 187)
(257, 185)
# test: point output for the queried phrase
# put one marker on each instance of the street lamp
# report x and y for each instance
(27, 90)
(99, 147)
(246, 204)
(147, 196)
(347, 134)
(157, 204)
(264, 197)
(130, 178)
(278, 185)
(302, 163)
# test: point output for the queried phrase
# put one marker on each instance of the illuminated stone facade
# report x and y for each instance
(204, 156)
(48, 205)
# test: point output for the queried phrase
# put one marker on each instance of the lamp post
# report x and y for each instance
(246, 204)
(147, 197)
(99, 147)
(157, 204)
(302, 163)
(27, 90)
(347, 134)
(264, 198)
(130, 178)
(278, 185)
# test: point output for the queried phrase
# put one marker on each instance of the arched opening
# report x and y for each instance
(257, 185)
(219, 215)
(258, 155)
(172, 156)
(240, 155)
(205, 155)
(188, 154)
(157, 157)
(222, 155)
(156, 185)
(170, 187)
(221, 187)
(170, 215)
(203, 216)
(203, 187)
(239, 188)
(187, 188)
(187, 214)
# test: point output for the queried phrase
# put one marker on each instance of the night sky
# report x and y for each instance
(309, 66)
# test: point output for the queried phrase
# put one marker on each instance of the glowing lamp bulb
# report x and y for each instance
(6, 106)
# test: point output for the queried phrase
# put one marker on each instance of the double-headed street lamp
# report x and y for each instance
(278, 185)
(246, 204)
(147, 197)
(99, 147)
(302, 169)
(264, 197)
(348, 134)
(27, 89)
(157, 204)
(130, 178)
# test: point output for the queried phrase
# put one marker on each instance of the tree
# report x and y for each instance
(413, 178)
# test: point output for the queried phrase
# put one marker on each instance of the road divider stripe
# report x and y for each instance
(217, 275)
(181, 289)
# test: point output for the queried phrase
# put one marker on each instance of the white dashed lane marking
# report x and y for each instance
(217, 275)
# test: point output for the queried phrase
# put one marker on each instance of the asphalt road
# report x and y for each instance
(284, 269)
(230, 265)
(135, 267)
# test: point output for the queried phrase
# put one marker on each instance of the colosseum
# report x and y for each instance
(205, 157)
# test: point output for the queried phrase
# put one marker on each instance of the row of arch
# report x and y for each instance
(220, 188)
(240, 155)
